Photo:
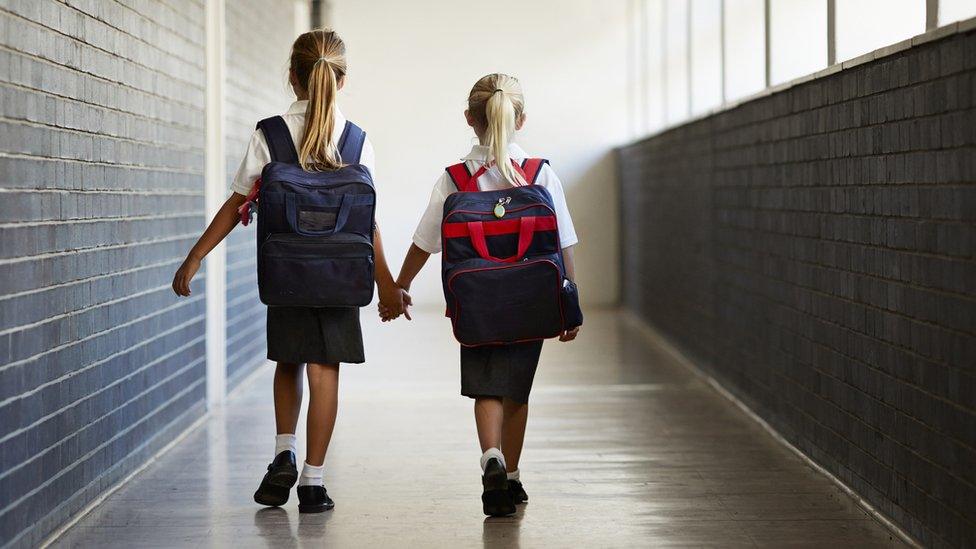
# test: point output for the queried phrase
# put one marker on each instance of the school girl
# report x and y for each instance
(497, 377)
(314, 339)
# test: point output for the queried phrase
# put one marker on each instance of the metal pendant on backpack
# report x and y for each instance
(499, 210)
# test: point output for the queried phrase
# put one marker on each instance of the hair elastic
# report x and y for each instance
(497, 90)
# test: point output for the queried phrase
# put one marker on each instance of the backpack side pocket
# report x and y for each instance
(572, 314)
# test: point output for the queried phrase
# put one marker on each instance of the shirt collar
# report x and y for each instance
(481, 153)
(299, 107)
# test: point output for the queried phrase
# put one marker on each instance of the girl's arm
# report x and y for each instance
(391, 298)
(569, 262)
(222, 224)
(414, 261)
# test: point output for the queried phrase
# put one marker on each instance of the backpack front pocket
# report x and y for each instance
(506, 303)
(324, 271)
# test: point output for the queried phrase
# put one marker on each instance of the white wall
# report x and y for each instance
(411, 65)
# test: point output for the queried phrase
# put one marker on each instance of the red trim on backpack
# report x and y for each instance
(466, 182)
(531, 168)
(494, 228)
(460, 176)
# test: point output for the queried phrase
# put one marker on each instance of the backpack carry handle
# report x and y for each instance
(476, 230)
(346, 202)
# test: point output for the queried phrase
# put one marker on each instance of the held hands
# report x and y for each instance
(183, 276)
(394, 301)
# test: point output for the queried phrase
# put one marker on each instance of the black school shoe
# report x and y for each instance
(314, 499)
(517, 492)
(496, 498)
(277, 482)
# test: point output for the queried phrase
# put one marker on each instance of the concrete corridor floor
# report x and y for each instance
(626, 447)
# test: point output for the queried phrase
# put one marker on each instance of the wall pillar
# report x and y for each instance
(215, 193)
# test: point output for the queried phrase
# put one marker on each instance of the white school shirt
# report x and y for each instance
(258, 155)
(428, 234)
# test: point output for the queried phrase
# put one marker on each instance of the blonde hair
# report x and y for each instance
(318, 60)
(496, 103)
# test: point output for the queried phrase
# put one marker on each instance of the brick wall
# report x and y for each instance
(256, 87)
(101, 194)
(815, 251)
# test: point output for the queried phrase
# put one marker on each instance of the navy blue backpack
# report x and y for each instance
(315, 229)
(502, 264)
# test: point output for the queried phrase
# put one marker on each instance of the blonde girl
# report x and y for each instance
(498, 377)
(316, 340)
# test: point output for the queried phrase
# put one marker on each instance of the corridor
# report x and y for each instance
(626, 447)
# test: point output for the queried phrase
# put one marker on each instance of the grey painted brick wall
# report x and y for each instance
(815, 250)
(101, 194)
(256, 87)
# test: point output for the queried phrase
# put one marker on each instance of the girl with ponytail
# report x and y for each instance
(315, 340)
(498, 377)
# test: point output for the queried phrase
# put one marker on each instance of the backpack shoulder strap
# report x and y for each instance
(351, 143)
(532, 167)
(279, 140)
(461, 177)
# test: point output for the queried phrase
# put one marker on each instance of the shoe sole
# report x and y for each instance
(321, 508)
(274, 493)
(496, 500)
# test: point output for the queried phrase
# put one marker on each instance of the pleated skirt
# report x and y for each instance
(503, 371)
(320, 335)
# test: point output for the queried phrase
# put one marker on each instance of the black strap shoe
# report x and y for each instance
(496, 499)
(277, 482)
(314, 499)
(517, 491)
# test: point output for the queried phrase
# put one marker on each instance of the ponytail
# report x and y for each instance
(318, 61)
(317, 150)
(500, 116)
(496, 102)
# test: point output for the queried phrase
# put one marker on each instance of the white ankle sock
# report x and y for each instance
(492, 453)
(311, 475)
(513, 475)
(285, 442)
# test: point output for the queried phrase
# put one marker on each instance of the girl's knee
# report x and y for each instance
(288, 368)
(514, 404)
(322, 372)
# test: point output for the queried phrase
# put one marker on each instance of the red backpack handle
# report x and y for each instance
(476, 231)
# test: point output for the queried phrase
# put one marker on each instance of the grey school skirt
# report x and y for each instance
(322, 335)
(504, 371)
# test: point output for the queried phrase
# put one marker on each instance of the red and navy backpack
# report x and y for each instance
(502, 264)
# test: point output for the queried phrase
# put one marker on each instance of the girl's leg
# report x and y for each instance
(488, 416)
(282, 472)
(323, 404)
(496, 499)
(287, 396)
(515, 417)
